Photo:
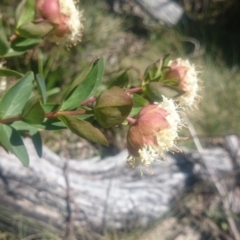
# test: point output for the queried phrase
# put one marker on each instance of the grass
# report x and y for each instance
(219, 113)
(14, 226)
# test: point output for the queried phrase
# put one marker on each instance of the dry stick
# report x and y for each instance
(69, 233)
(222, 192)
(69, 219)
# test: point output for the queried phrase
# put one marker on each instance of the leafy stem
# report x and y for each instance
(134, 90)
(47, 115)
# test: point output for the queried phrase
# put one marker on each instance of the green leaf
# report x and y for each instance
(53, 91)
(12, 141)
(173, 82)
(100, 66)
(120, 81)
(155, 90)
(112, 107)
(84, 129)
(33, 133)
(41, 87)
(20, 9)
(23, 126)
(14, 100)
(4, 43)
(37, 142)
(25, 12)
(80, 77)
(10, 73)
(35, 29)
(165, 59)
(138, 103)
(23, 44)
(86, 88)
(50, 107)
(84, 116)
(50, 124)
(154, 70)
(13, 53)
(33, 111)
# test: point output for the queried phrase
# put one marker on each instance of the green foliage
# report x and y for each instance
(33, 112)
(4, 44)
(138, 103)
(155, 91)
(155, 70)
(22, 44)
(10, 73)
(85, 88)
(12, 141)
(33, 133)
(121, 81)
(37, 141)
(83, 129)
(14, 100)
(50, 124)
(25, 12)
(35, 29)
(41, 87)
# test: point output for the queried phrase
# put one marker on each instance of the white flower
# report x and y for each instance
(188, 81)
(154, 132)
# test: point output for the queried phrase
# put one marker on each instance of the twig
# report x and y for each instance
(69, 218)
(47, 115)
(221, 190)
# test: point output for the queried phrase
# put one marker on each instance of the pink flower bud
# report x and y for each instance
(153, 133)
(179, 73)
(65, 15)
(187, 79)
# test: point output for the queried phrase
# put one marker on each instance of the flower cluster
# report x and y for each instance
(153, 133)
(187, 77)
(65, 15)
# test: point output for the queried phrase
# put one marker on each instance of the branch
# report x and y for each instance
(47, 115)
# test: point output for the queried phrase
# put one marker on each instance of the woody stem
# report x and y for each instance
(47, 115)
(134, 90)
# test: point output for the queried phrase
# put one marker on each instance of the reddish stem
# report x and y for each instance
(131, 120)
(13, 37)
(12, 119)
(38, 20)
(47, 115)
(50, 115)
(134, 90)
(90, 100)
(78, 112)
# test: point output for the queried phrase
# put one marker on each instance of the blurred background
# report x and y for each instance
(130, 35)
